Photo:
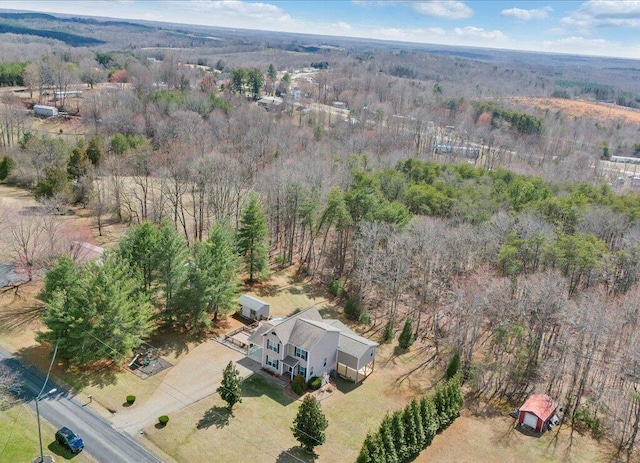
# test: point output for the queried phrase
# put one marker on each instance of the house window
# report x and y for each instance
(274, 346)
(302, 371)
(325, 361)
(311, 372)
(301, 353)
(273, 363)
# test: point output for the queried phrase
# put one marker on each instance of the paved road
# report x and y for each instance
(102, 442)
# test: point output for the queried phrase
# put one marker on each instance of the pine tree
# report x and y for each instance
(414, 434)
(454, 366)
(372, 450)
(387, 334)
(310, 424)
(101, 315)
(229, 389)
(252, 239)
(172, 265)
(406, 338)
(399, 440)
(430, 423)
(386, 437)
(212, 282)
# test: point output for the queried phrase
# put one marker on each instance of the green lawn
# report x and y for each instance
(19, 438)
(259, 429)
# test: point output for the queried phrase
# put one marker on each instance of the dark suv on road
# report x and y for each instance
(69, 439)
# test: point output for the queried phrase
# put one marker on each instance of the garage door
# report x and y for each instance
(531, 420)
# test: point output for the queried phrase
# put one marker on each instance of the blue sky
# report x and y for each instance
(604, 28)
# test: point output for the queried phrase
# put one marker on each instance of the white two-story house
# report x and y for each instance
(306, 344)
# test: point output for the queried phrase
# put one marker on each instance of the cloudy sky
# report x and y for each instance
(594, 27)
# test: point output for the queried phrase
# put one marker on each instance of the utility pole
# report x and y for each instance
(40, 459)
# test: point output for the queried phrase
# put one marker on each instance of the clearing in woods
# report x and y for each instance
(577, 108)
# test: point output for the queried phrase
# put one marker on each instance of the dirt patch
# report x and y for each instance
(579, 109)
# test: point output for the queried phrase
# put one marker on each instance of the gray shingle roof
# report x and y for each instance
(306, 328)
(252, 302)
(307, 333)
(352, 344)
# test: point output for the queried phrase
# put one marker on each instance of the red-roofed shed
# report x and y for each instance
(537, 411)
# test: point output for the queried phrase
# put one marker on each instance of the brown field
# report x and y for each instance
(578, 108)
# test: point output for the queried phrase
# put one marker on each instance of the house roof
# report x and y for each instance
(540, 405)
(252, 302)
(306, 328)
(307, 333)
(354, 345)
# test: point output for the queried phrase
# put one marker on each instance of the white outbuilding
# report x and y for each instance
(253, 308)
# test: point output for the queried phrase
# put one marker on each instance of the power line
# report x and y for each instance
(217, 414)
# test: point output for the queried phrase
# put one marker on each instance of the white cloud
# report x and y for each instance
(585, 46)
(527, 15)
(342, 26)
(449, 9)
(479, 33)
(604, 13)
(407, 35)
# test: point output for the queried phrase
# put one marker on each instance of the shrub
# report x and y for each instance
(299, 385)
(352, 309)
(131, 399)
(315, 383)
(336, 287)
(6, 166)
(454, 366)
(406, 338)
(387, 334)
(164, 419)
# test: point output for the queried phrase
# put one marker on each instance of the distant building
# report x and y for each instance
(273, 104)
(340, 105)
(45, 111)
(68, 94)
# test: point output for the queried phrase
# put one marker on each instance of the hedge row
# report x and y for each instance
(404, 434)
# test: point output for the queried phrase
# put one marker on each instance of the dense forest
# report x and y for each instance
(494, 226)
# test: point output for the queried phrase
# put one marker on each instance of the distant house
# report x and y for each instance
(308, 345)
(273, 104)
(45, 111)
(537, 412)
(253, 308)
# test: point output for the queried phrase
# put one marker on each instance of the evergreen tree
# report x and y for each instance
(429, 420)
(387, 334)
(406, 338)
(101, 315)
(212, 283)
(414, 435)
(310, 424)
(372, 450)
(399, 439)
(62, 278)
(140, 248)
(94, 151)
(386, 437)
(172, 263)
(6, 166)
(252, 239)
(229, 389)
(453, 367)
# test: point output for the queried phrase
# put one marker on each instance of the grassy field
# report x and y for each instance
(19, 438)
